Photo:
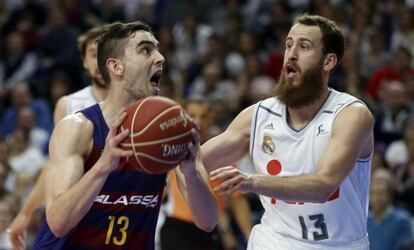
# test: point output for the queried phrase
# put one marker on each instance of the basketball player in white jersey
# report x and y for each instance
(311, 147)
(66, 105)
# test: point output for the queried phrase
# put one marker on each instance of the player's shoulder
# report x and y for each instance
(82, 93)
(75, 127)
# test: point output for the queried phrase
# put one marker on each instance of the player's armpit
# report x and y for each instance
(352, 137)
(231, 145)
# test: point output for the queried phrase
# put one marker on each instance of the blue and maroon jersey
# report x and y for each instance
(124, 214)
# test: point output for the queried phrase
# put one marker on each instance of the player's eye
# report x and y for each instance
(304, 46)
(146, 50)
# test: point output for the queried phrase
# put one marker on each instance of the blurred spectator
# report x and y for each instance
(211, 85)
(232, 31)
(26, 120)
(389, 227)
(221, 93)
(276, 24)
(190, 39)
(347, 77)
(20, 97)
(405, 173)
(397, 152)
(375, 57)
(58, 46)
(4, 12)
(59, 85)
(25, 163)
(392, 112)
(404, 34)
(26, 17)
(399, 69)
(108, 11)
(16, 64)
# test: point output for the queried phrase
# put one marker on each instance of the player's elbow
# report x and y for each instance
(207, 223)
(58, 231)
(325, 193)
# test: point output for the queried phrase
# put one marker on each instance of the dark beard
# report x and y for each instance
(310, 89)
(99, 83)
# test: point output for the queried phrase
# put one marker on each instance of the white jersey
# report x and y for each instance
(278, 149)
(80, 100)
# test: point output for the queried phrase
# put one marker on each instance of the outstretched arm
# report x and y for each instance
(351, 138)
(231, 145)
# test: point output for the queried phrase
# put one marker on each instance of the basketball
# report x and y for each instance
(159, 133)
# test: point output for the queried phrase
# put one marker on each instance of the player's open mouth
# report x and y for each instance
(155, 82)
(291, 71)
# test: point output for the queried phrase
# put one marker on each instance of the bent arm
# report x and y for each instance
(69, 193)
(231, 145)
(351, 138)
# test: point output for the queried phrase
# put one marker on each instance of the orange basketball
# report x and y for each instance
(159, 133)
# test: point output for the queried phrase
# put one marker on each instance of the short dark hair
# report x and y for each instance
(111, 44)
(333, 39)
(89, 36)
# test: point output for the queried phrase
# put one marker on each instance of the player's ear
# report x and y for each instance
(330, 62)
(115, 66)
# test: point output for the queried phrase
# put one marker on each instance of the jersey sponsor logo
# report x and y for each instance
(126, 200)
(268, 146)
(181, 118)
(321, 131)
(269, 126)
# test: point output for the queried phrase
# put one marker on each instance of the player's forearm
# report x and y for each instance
(223, 151)
(199, 196)
(37, 196)
(67, 209)
(303, 188)
(202, 202)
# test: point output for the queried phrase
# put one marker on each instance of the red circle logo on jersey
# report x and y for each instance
(274, 167)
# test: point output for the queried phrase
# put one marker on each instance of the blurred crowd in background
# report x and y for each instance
(227, 52)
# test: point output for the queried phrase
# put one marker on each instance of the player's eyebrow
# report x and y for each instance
(301, 39)
(147, 42)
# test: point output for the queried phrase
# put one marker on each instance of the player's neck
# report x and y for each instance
(297, 118)
(98, 92)
(115, 100)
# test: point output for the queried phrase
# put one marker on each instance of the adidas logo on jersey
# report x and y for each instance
(269, 126)
(143, 200)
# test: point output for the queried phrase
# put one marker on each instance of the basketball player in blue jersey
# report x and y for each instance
(311, 147)
(93, 201)
(66, 105)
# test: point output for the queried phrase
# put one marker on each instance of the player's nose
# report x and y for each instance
(159, 58)
(293, 54)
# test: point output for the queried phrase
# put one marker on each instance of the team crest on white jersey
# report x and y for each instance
(268, 145)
